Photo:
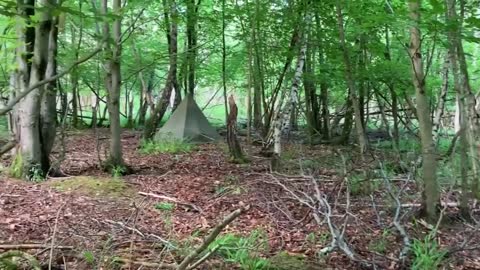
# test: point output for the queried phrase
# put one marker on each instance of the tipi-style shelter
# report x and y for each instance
(188, 122)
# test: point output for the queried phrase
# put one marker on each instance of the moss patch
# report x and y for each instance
(93, 186)
(17, 166)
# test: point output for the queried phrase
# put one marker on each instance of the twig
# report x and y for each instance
(171, 199)
(204, 258)
(211, 237)
(32, 246)
(444, 204)
(121, 224)
(147, 264)
(396, 219)
(52, 244)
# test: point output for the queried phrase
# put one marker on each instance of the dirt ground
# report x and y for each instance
(108, 217)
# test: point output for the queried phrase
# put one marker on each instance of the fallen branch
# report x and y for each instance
(121, 224)
(9, 146)
(211, 237)
(444, 204)
(171, 199)
(52, 244)
(396, 220)
(146, 264)
(32, 246)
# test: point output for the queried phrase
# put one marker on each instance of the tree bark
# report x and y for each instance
(33, 160)
(171, 83)
(113, 84)
(48, 113)
(430, 194)
(236, 153)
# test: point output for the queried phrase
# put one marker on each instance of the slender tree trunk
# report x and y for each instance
(282, 120)
(430, 196)
(170, 84)
(361, 136)
(113, 83)
(48, 113)
(224, 72)
(442, 99)
(192, 10)
(468, 117)
(74, 76)
(257, 69)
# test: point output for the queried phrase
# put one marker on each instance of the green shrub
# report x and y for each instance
(427, 254)
(170, 145)
(243, 250)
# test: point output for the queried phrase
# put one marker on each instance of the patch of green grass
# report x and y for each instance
(101, 187)
(165, 145)
(427, 254)
(165, 206)
(244, 251)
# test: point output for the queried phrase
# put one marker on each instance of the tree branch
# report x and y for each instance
(23, 94)
(211, 237)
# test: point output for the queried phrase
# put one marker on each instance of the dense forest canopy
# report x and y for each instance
(390, 89)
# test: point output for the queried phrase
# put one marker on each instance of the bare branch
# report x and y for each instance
(23, 94)
(211, 237)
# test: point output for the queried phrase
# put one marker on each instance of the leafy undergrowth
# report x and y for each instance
(104, 218)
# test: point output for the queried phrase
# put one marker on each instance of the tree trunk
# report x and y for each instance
(430, 194)
(171, 82)
(192, 14)
(113, 85)
(282, 120)
(48, 113)
(361, 136)
(257, 70)
(32, 162)
(236, 153)
(468, 117)
(442, 99)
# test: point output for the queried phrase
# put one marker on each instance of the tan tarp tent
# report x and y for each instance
(188, 122)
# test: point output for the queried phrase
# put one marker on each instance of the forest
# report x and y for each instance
(239, 134)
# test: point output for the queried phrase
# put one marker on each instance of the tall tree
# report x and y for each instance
(113, 81)
(171, 82)
(34, 115)
(430, 193)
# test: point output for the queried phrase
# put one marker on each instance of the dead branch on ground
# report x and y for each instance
(32, 246)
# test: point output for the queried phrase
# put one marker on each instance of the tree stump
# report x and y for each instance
(236, 153)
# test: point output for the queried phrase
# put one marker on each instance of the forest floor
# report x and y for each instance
(92, 217)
